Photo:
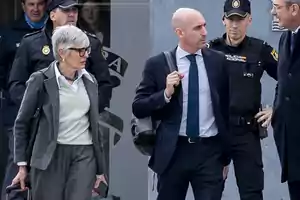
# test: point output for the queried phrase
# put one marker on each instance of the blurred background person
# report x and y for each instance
(34, 18)
(67, 149)
(94, 17)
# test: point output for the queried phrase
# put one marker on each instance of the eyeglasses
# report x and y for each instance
(82, 51)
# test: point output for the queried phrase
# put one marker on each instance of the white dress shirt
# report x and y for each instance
(296, 31)
(207, 122)
(61, 79)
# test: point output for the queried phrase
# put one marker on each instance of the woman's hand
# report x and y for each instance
(20, 177)
(100, 178)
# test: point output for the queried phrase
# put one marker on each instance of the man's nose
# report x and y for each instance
(235, 24)
(204, 31)
(273, 12)
(35, 8)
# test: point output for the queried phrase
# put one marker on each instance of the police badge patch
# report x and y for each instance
(46, 50)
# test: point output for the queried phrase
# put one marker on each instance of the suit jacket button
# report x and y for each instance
(287, 98)
(290, 75)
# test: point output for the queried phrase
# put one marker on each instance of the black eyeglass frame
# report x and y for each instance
(81, 51)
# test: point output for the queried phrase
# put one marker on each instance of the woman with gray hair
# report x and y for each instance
(56, 130)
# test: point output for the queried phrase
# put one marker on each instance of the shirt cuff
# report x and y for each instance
(22, 164)
(166, 98)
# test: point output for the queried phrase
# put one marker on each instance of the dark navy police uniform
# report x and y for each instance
(247, 63)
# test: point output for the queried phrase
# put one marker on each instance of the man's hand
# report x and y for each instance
(264, 116)
(173, 79)
(20, 177)
(225, 172)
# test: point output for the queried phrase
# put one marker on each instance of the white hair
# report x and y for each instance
(68, 36)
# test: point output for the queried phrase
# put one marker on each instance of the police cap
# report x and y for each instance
(63, 4)
(237, 7)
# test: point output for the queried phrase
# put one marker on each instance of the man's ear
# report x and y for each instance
(295, 9)
(179, 32)
(250, 19)
(223, 21)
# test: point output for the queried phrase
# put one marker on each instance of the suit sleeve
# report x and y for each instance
(26, 112)
(148, 99)
(225, 101)
(270, 59)
(99, 68)
(3, 63)
(276, 89)
(19, 72)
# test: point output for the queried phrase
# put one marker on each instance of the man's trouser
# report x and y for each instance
(247, 161)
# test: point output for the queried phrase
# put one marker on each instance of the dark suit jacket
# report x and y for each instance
(286, 114)
(150, 101)
(46, 138)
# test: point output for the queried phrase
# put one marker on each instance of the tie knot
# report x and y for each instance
(192, 58)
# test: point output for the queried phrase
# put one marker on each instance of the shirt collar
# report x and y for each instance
(243, 43)
(182, 53)
(296, 31)
(81, 73)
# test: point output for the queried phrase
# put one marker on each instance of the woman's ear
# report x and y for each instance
(61, 54)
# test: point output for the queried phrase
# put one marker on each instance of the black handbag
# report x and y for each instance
(14, 192)
(144, 130)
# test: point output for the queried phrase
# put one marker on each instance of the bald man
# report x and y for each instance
(191, 104)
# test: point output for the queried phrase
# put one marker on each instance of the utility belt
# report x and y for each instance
(250, 123)
(243, 121)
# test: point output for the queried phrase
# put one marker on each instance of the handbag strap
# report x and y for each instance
(40, 99)
(170, 61)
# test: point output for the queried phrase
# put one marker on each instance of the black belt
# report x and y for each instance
(242, 120)
(191, 140)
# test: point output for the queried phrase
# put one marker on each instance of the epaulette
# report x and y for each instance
(90, 34)
(33, 33)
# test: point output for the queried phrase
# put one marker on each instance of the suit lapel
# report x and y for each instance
(53, 93)
(92, 91)
(294, 61)
(209, 62)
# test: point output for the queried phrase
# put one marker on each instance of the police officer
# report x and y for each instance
(32, 19)
(35, 52)
(248, 58)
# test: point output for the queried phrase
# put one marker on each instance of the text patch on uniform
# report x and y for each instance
(236, 58)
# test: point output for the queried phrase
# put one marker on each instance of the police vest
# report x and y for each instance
(245, 69)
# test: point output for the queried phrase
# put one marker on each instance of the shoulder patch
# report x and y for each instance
(33, 33)
(274, 54)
